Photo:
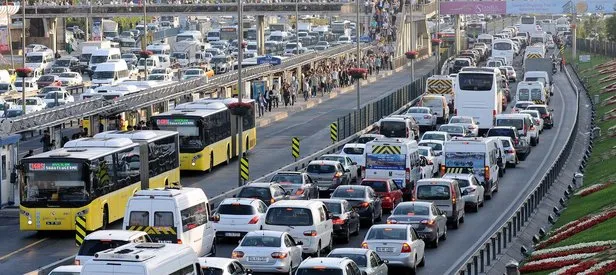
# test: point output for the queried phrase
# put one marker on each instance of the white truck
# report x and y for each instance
(110, 29)
(441, 85)
(184, 52)
(88, 47)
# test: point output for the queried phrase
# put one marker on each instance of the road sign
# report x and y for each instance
(585, 58)
(295, 147)
(333, 132)
(80, 230)
(268, 59)
(244, 171)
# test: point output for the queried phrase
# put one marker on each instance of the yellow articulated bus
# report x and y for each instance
(92, 178)
(208, 132)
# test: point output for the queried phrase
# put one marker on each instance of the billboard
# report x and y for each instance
(560, 6)
(469, 7)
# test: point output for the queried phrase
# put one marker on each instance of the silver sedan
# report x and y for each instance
(427, 220)
(269, 251)
(367, 260)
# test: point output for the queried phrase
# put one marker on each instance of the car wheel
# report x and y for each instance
(330, 246)
(501, 172)
(105, 221)
(413, 269)
(380, 217)
(444, 236)
(462, 219)
(456, 224)
(356, 232)
(213, 250)
(488, 195)
(371, 221)
(423, 261)
(318, 253)
(291, 268)
(434, 243)
(347, 236)
(476, 206)
(533, 142)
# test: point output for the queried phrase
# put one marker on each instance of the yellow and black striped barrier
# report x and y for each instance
(80, 230)
(295, 147)
(386, 149)
(154, 230)
(439, 86)
(562, 50)
(333, 132)
(244, 171)
(459, 170)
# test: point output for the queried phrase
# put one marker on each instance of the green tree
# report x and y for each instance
(610, 28)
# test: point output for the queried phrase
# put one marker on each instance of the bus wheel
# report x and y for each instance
(228, 155)
(211, 163)
(105, 217)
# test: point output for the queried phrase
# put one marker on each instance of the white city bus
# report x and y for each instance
(503, 48)
(479, 93)
(528, 24)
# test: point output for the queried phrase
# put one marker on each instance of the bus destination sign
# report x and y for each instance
(53, 166)
(175, 122)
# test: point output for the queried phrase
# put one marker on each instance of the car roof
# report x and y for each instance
(120, 235)
(355, 145)
(329, 162)
(218, 262)
(295, 203)
(351, 250)
(426, 203)
(436, 132)
(400, 226)
(259, 184)
(330, 200)
(425, 147)
(537, 105)
(242, 201)
(457, 175)
(438, 180)
(267, 233)
(324, 262)
(290, 173)
(432, 141)
(68, 268)
(504, 127)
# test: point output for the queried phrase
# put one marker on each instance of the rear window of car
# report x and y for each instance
(211, 270)
(522, 105)
(393, 129)
(434, 146)
(500, 133)
(90, 247)
(387, 234)
(353, 150)
(440, 137)
(236, 209)
(262, 193)
(460, 120)
(334, 207)
(506, 143)
(318, 271)
(411, 210)
(433, 192)
(321, 168)
(348, 193)
(364, 140)
(541, 110)
(359, 259)
(517, 123)
(287, 178)
(261, 241)
(288, 216)
(463, 183)
(378, 186)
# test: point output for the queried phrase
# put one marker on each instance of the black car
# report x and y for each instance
(266, 192)
(345, 218)
(299, 184)
(363, 199)
(522, 148)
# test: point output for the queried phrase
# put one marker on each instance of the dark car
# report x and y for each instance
(521, 147)
(329, 174)
(545, 113)
(345, 218)
(363, 199)
(47, 80)
(387, 189)
(299, 184)
(267, 192)
(454, 130)
(70, 62)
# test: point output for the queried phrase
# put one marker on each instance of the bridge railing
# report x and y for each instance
(487, 251)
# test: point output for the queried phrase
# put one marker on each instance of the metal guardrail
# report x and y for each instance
(397, 102)
(64, 113)
(493, 245)
(606, 48)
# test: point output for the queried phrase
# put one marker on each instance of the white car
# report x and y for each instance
(537, 120)
(159, 77)
(70, 79)
(355, 151)
(61, 96)
(521, 105)
(472, 190)
(367, 260)
(269, 251)
(397, 243)
(33, 104)
(100, 240)
(436, 145)
(511, 159)
(328, 266)
(192, 73)
(66, 270)
(424, 117)
(237, 216)
(436, 135)
(30, 84)
(511, 74)
(434, 161)
(471, 125)
(222, 266)
(347, 164)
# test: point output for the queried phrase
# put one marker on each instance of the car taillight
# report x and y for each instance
(179, 241)
(392, 221)
(279, 255)
(237, 254)
(442, 170)
(254, 220)
(216, 218)
(487, 173)
(338, 221)
(426, 116)
(272, 201)
(77, 262)
(310, 233)
(406, 248)
(299, 192)
(364, 245)
(427, 222)
(510, 151)
(407, 175)
(338, 175)
(364, 205)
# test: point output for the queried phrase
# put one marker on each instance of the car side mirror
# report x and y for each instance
(364, 273)
(347, 170)
(464, 193)
(384, 261)
(551, 110)
(234, 196)
(354, 163)
(248, 271)
(299, 243)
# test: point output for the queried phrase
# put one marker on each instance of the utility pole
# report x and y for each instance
(8, 29)
(240, 90)
(297, 25)
(357, 34)
(23, 44)
(574, 35)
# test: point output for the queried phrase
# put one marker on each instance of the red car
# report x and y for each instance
(387, 189)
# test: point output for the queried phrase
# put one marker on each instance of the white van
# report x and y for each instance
(307, 221)
(395, 159)
(39, 61)
(531, 91)
(110, 91)
(103, 55)
(213, 35)
(476, 154)
(190, 36)
(542, 77)
(178, 215)
(144, 259)
(106, 239)
(110, 73)
(398, 126)
(523, 123)
(153, 62)
(445, 194)
(159, 48)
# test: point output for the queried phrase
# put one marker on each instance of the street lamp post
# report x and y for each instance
(8, 29)
(240, 90)
(357, 34)
(23, 35)
(297, 25)
(145, 36)
(438, 30)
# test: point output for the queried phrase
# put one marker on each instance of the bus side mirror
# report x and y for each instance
(13, 177)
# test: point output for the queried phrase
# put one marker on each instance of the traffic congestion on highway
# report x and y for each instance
(421, 184)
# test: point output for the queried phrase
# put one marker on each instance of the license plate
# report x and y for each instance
(257, 259)
(384, 249)
(53, 223)
(232, 234)
(323, 188)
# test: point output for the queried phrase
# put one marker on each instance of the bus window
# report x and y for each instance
(476, 82)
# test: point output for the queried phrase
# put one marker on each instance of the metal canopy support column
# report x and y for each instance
(261, 34)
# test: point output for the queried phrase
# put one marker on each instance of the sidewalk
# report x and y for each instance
(282, 112)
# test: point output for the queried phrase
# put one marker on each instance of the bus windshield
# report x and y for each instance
(187, 128)
(502, 46)
(475, 82)
(50, 180)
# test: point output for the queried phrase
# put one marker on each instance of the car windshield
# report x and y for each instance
(359, 259)
(62, 63)
(353, 150)
(321, 168)
(522, 105)
(142, 62)
(4, 87)
(236, 209)
(53, 95)
(393, 129)
(434, 146)
(211, 270)
(46, 78)
(418, 111)
(261, 241)
(423, 152)
(156, 77)
(292, 216)
(502, 46)
(542, 110)
(433, 192)
(377, 185)
(216, 60)
(451, 129)
(349, 193)
(411, 210)
(68, 75)
(461, 120)
(318, 271)
(34, 59)
(433, 136)
(287, 179)
(90, 247)
(262, 193)
(387, 234)
(192, 72)
(129, 56)
(334, 207)
(103, 75)
(98, 59)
